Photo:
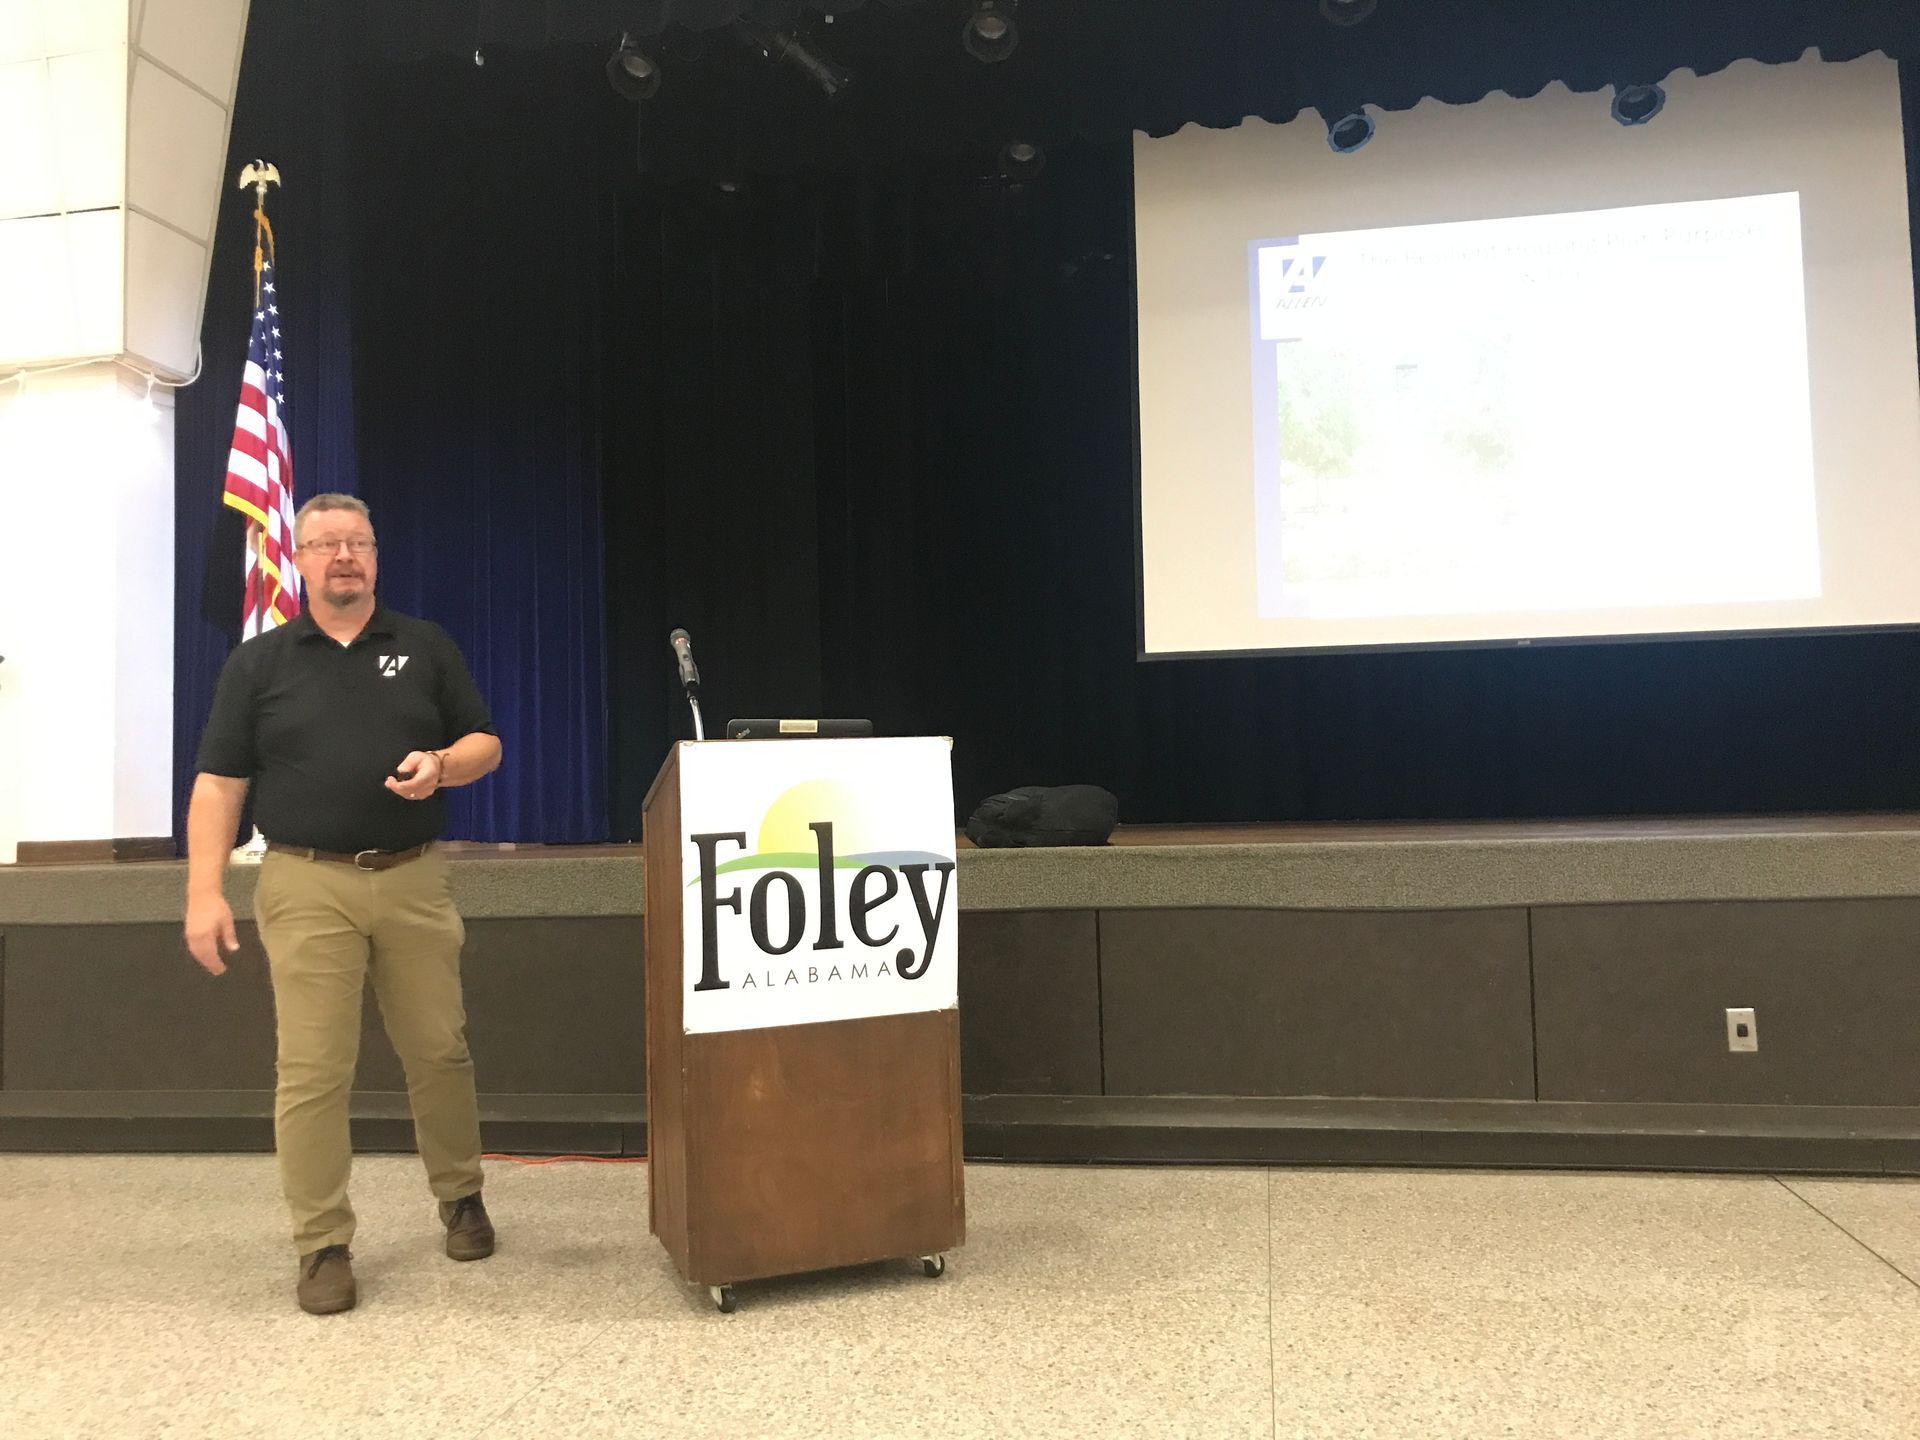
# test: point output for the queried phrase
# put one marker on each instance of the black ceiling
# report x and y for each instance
(1098, 68)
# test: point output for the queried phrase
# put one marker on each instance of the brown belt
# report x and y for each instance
(360, 859)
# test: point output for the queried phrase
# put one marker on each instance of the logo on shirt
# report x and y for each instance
(391, 665)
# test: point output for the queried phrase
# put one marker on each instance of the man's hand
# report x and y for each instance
(213, 816)
(421, 770)
(209, 926)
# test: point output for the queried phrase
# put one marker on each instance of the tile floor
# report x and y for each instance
(152, 1296)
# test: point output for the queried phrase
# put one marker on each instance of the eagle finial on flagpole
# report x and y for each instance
(260, 175)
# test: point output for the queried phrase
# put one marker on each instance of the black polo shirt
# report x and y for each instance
(318, 726)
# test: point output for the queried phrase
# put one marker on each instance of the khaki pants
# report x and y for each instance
(327, 929)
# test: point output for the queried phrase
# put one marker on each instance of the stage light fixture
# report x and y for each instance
(631, 74)
(1021, 161)
(1347, 133)
(1347, 12)
(1637, 104)
(785, 46)
(990, 34)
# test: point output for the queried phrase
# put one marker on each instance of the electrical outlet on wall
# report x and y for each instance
(1743, 1033)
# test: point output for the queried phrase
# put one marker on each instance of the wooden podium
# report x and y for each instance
(776, 1148)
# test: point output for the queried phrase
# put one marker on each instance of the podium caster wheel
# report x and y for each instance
(933, 1266)
(722, 1298)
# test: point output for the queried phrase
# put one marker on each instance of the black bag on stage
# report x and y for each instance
(1045, 815)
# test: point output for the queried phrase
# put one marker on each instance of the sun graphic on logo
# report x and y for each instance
(786, 831)
(788, 841)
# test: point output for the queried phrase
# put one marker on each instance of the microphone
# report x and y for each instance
(683, 650)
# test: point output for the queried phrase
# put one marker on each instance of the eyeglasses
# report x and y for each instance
(356, 546)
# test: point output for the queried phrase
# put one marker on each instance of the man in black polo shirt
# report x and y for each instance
(347, 723)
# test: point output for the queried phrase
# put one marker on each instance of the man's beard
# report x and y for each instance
(334, 595)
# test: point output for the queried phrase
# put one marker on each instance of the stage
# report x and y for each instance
(1550, 993)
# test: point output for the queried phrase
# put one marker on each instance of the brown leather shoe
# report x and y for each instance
(469, 1231)
(326, 1281)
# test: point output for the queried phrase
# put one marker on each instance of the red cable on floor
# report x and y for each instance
(575, 1159)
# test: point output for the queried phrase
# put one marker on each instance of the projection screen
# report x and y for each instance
(1515, 372)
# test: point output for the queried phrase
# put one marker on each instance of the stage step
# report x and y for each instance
(1804, 1139)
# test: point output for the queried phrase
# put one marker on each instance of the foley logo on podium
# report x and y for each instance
(838, 903)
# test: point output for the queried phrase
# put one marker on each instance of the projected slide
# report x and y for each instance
(1573, 412)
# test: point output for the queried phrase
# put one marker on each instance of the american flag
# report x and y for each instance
(260, 464)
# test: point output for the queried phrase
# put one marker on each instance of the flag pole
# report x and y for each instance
(257, 602)
(259, 175)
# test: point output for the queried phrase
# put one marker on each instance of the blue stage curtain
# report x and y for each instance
(485, 244)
